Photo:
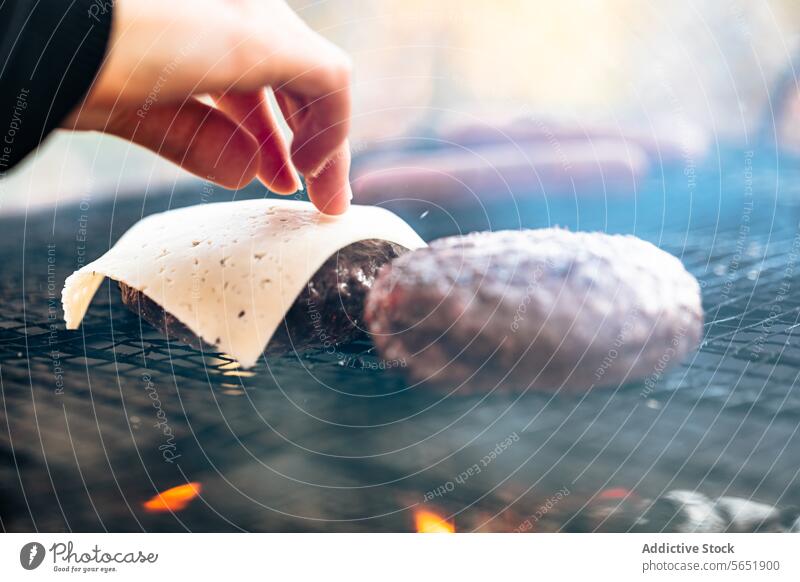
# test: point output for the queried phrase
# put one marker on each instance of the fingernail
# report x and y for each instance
(297, 180)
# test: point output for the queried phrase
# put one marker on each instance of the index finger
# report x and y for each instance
(329, 189)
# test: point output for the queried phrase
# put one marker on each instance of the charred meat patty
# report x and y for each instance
(329, 311)
(540, 309)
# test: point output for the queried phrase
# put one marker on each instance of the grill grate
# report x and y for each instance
(317, 442)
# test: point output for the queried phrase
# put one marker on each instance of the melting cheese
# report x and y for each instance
(230, 271)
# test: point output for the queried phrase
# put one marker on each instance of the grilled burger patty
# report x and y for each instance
(545, 309)
(329, 310)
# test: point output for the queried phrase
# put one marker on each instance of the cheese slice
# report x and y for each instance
(230, 271)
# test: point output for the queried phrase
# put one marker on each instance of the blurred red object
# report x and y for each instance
(516, 169)
(519, 159)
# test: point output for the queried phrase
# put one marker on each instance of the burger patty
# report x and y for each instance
(541, 309)
(328, 311)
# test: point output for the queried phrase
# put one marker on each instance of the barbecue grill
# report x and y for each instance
(335, 442)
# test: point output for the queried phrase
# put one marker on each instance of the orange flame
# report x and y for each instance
(174, 499)
(429, 522)
(614, 493)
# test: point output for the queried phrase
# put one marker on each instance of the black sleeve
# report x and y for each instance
(50, 52)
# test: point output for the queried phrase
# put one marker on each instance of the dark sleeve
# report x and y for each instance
(50, 52)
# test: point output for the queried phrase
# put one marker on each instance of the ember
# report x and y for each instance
(173, 499)
(429, 522)
(614, 493)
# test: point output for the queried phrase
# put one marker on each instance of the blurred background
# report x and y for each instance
(656, 82)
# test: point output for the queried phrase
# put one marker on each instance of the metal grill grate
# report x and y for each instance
(317, 442)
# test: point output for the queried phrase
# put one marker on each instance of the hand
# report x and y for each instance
(163, 56)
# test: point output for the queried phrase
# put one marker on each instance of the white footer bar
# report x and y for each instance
(408, 557)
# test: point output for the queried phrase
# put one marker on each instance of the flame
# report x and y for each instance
(231, 364)
(174, 499)
(614, 493)
(239, 373)
(429, 522)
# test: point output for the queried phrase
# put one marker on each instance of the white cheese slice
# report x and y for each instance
(230, 271)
